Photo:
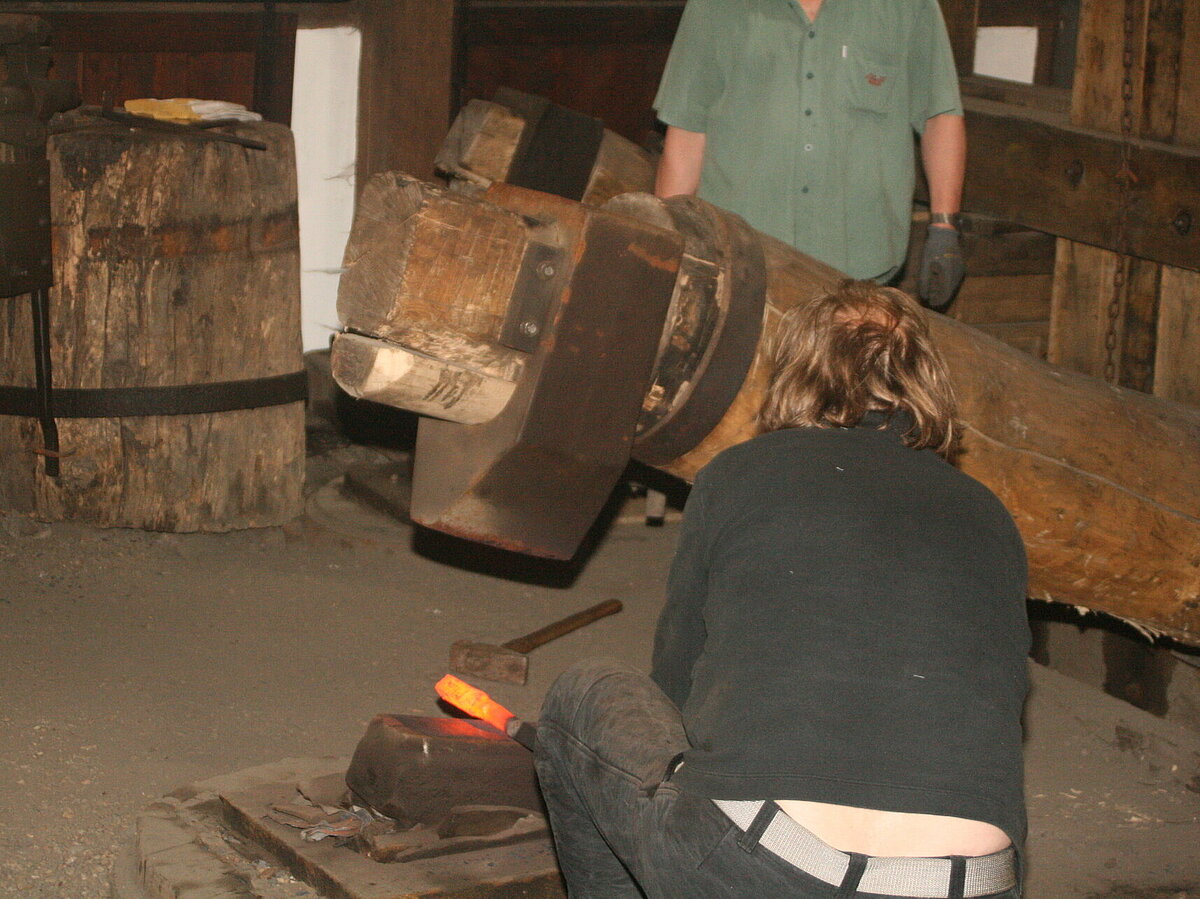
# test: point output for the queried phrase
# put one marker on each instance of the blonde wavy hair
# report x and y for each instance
(863, 348)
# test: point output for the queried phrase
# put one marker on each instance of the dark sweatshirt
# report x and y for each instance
(846, 623)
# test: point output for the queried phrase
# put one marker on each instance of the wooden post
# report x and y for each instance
(404, 93)
(962, 20)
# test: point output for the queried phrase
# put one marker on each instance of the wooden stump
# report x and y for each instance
(176, 263)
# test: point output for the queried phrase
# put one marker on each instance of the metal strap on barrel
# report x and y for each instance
(558, 146)
(729, 361)
(186, 399)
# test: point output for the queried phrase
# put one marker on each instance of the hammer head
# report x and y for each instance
(489, 662)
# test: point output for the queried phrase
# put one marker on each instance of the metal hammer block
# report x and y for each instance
(489, 662)
(509, 662)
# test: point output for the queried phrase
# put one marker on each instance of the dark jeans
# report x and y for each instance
(605, 739)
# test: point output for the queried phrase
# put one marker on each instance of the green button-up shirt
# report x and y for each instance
(809, 125)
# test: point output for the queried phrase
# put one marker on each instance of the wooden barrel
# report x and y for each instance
(174, 335)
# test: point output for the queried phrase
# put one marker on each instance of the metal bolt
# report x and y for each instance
(1075, 173)
(546, 269)
(529, 329)
(1182, 222)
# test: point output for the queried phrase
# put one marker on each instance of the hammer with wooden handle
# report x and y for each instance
(509, 661)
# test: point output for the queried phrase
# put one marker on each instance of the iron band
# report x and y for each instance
(186, 399)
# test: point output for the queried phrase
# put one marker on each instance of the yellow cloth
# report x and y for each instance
(186, 109)
(177, 110)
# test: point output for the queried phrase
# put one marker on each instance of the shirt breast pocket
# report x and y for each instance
(870, 84)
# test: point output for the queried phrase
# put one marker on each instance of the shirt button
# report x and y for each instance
(809, 75)
(804, 189)
(808, 112)
(808, 147)
(812, 34)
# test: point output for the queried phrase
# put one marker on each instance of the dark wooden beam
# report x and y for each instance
(962, 19)
(1034, 168)
(241, 56)
(404, 106)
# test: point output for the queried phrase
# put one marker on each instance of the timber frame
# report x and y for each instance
(1033, 167)
(1127, 270)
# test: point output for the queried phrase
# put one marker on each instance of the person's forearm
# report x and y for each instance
(944, 155)
(682, 159)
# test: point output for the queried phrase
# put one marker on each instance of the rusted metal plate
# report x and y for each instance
(534, 478)
(25, 234)
(531, 298)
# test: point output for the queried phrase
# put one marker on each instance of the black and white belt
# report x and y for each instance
(921, 878)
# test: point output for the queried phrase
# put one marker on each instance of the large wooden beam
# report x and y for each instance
(1104, 483)
(1035, 168)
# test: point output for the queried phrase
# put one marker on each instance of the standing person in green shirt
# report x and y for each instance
(799, 116)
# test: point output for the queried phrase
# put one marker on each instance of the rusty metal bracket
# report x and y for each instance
(25, 233)
(199, 131)
(539, 278)
(27, 100)
(534, 478)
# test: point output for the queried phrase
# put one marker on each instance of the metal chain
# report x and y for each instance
(1125, 180)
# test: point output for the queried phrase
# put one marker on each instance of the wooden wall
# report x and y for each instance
(1149, 313)
(1055, 20)
(423, 59)
(118, 56)
(405, 83)
(217, 51)
(601, 59)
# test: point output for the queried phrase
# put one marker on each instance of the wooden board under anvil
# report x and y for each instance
(423, 772)
(466, 822)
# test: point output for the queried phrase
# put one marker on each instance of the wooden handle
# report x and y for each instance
(564, 626)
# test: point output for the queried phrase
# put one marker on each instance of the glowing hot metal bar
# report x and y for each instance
(478, 704)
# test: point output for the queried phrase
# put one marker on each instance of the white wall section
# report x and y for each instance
(324, 121)
(1006, 51)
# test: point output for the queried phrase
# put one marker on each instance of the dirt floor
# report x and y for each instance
(135, 663)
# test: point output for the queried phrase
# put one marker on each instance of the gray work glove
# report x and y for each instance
(942, 268)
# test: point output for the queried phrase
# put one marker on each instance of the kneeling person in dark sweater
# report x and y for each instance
(839, 670)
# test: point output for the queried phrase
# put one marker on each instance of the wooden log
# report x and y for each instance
(1104, 483)
(176, 265)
